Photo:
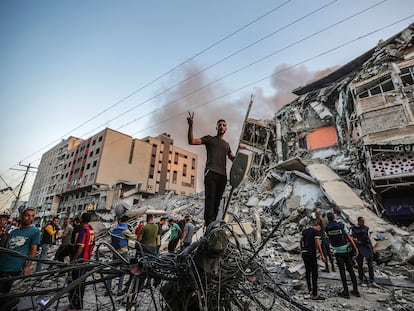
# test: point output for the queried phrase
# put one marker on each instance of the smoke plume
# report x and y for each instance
(208, 107)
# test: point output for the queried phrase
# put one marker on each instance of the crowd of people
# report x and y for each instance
(77, 242)
(78, 238)
(350, 247)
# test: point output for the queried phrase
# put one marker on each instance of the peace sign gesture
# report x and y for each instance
(190, 118)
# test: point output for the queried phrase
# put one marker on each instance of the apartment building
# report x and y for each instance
(171, 168)
(109, 168)
(46, 185)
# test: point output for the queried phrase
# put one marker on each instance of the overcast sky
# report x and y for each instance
(76, 67)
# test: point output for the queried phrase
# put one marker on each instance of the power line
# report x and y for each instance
(245, 86)
(250, 64)
(214, 64)
(280, 71)
(163, 75)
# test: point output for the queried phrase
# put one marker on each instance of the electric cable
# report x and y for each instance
(216, 43)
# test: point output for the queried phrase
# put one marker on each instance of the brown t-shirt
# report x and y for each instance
(217, 151)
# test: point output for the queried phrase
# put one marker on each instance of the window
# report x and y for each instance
(184, 170)
(91, 153)
(97, 151)
(94, 163)
(174, 179)
(193, 163)
(100, 139)
(407, 76)
(192, 180)
(88, 166)
(94, 142)
(176, 158)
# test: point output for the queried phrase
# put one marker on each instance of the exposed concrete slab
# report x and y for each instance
(378, 280)
(339, 193)
(322, 172)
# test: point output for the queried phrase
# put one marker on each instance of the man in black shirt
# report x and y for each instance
(215, 175)
(309, 242)
(360, 234)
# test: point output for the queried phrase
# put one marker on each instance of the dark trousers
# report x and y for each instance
(5, 287)
(77, 293)
(345, 260)
(327, 252)
(311, 266)
(173, 244)
(214, 185)
(64, 251)
(360, 262)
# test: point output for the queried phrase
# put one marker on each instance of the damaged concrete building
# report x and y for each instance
(359, 121)
(108, 168)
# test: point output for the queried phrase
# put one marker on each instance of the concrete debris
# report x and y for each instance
(330, 150)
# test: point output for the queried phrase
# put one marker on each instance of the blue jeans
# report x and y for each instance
(43, 255)
(122, 276)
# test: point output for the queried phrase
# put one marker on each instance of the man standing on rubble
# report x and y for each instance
(83, 252)
(309, 243)
(215, 174)
(24, 240)
(342, 244)
(360, 233)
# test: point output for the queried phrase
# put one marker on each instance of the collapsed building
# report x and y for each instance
(345, 144)
(359, 120)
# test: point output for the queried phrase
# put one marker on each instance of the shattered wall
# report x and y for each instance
(359, 120)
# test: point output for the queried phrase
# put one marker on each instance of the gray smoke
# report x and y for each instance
(172, 119)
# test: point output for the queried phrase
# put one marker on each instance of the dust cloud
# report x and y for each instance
(193, 96)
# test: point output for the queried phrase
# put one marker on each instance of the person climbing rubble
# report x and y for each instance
(342, 244)
(309, 244)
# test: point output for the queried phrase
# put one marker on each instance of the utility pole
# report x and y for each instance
(26, 171)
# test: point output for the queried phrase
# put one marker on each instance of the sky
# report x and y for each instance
(76, 67)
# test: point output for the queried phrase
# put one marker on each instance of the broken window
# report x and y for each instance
(407, 75)
(378, 86)
(321, 137)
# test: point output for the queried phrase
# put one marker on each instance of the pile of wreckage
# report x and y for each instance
(346, 144)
